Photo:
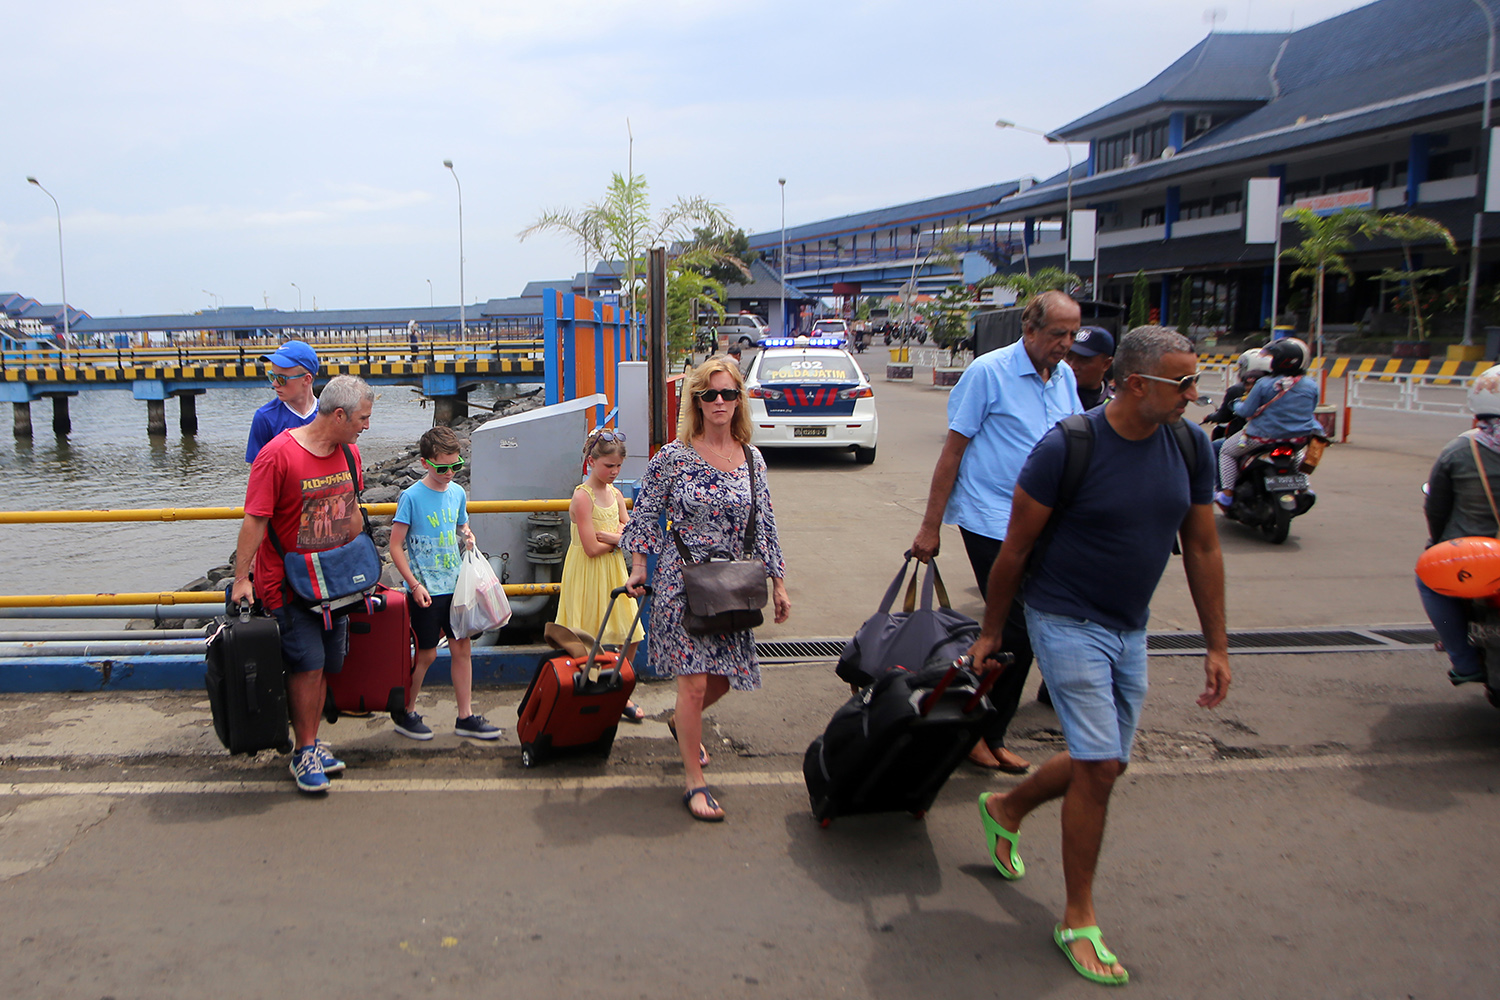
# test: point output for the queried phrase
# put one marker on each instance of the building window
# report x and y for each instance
(1154, 216)
(1129, 148)
(1196, 209)
(1398, 174)
(1301, 189)
(1450, 163)
(1226, 204)
(1354, 180)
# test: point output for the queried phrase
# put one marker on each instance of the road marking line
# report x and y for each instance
(743, 779)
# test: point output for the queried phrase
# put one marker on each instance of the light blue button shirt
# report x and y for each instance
(1003, 407)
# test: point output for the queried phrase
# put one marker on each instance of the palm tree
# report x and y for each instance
(1326, 238)
(620, 227)
(1028, 286)
(1408, 229)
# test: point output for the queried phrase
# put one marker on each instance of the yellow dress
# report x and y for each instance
(587, 580)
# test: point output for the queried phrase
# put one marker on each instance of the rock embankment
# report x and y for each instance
(384, 482)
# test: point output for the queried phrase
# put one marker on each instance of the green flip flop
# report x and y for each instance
(994, 832)
(1065, 936)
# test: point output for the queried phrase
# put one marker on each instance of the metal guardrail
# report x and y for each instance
(1407, 393)
(176, 514)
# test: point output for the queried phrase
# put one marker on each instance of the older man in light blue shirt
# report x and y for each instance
(1001, 407)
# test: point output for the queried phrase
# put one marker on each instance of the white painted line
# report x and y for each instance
(744, 779)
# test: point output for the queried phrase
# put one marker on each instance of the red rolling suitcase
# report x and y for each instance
(377, 668)
(574, 705)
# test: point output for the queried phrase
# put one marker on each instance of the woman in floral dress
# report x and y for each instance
(702, 482)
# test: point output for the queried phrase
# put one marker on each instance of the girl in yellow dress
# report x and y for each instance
(594, 567)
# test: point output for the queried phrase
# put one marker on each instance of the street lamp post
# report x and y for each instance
(61, 270)
(218, 299)
(429, 293)
(782, 259)
(1484, 139)
(463, 330)
(1068, 212)
(299, 295)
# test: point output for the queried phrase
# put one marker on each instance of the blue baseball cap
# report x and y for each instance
(294, 354)
(1092, 341)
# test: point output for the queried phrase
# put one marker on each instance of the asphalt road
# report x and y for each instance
(1322, 834)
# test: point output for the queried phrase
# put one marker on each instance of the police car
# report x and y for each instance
(808, 392)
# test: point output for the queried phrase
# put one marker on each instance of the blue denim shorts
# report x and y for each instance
(305, 647)
(1097, 678)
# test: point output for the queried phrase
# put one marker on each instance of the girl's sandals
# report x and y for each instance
(702, 752)
(633, 713)
(715, 816)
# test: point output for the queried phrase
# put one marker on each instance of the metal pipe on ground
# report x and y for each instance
(103, 635)
(18, 650)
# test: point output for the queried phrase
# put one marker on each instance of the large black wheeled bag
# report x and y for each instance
(893, 745)
(246, 681)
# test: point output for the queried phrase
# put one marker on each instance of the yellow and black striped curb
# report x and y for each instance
(241, 372)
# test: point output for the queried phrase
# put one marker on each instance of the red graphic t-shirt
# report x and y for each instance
(311, 502)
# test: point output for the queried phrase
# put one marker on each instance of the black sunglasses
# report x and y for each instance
(728, 395)
(609, 435)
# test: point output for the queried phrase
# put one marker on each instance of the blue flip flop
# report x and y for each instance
(708, 799)
(1065, 936)
(994, 832)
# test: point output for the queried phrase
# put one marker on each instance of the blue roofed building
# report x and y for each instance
(1380, 106)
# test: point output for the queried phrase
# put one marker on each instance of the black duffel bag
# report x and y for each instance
(911, 637)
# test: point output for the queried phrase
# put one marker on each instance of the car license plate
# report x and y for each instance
(809, 432)
(1295, 481)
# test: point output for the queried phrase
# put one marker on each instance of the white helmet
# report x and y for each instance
(1252, 363)
(1484, 392)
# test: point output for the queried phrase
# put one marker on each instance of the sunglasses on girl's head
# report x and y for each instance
(446, 467)
(279, 380)
(608, 435)
(728, 395)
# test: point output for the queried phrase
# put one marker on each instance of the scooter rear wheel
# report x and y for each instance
(1279, 526)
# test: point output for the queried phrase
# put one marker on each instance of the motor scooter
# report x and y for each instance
(1272, 489)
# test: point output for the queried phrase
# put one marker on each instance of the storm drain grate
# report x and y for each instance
(1410, 636)
(1172, 643)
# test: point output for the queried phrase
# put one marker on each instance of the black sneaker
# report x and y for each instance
(478, 727)
(410, 724)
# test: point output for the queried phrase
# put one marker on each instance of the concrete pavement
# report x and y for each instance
(1321, 834)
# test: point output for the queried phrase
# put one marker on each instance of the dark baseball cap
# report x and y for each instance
(1092, 341)
(294, 354)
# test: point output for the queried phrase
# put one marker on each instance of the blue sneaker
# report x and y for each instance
(411, 724)
(307, 768)
(478, 727)
(331, 764)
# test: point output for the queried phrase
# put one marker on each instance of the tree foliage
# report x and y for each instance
(1407, 229)
(1028, 286)
(1140, 308)
(1325, 240)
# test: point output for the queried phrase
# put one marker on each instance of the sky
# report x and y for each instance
(206, 153)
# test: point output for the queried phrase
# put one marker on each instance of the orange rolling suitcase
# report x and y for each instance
(377, 669)
(574, 705)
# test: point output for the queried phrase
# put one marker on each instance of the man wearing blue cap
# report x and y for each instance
(1090, 357)
(291, 369)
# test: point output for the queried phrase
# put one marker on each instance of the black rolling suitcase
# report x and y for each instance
(893, 745)
(246, 681)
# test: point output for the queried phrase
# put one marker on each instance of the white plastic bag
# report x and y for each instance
(479, 601)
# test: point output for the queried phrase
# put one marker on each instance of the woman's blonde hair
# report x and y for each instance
(690, 416)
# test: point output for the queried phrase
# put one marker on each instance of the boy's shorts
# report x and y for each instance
(1097, 679)
(305, 647)
(431, 623)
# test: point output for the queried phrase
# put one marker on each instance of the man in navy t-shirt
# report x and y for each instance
(1087, 597)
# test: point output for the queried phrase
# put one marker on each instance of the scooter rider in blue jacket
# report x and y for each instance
(1277, 408)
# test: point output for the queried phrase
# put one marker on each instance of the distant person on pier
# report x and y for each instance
(303, 487)
(290, 369)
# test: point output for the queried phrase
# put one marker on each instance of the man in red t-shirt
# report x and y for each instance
(301, 486)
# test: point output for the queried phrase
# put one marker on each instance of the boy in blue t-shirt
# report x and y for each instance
(430, 533)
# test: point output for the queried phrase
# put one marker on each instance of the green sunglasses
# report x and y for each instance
(447, 467)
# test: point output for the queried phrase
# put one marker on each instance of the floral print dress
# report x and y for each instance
(709, 508)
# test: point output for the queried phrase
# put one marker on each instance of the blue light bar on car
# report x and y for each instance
(779, 342)
(825, 342)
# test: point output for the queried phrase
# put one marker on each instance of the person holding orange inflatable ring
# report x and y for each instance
(1458, 505)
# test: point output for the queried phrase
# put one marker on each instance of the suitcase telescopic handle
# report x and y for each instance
(962, 664)
(590, 665)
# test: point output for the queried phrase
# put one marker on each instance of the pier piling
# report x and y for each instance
(22, 420)
(156, 417)
(446, 409)
(188, 416)
(62, 423)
